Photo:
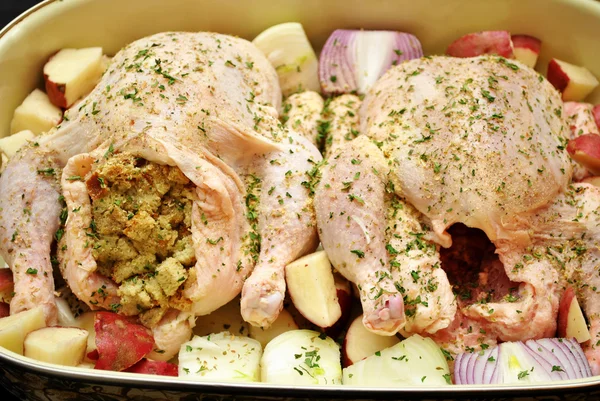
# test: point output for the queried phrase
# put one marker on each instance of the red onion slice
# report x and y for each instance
(353, 60)
(547, 359)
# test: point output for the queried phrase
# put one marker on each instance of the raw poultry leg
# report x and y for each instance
(368, 235)
(286, 225)
(29, 220)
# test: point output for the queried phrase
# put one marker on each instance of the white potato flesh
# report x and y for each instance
(36, 114)
(311, 285)
(284, 322)
(60, 345)
(220, 357)
(416, 361)
(86, 321)
(301, 357)
(9, 145)
(14, 328)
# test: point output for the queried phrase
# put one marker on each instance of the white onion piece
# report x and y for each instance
(544, 360)
(220, 357)
(299, 357)
(415, 361)
(353, 60)
(289, 51)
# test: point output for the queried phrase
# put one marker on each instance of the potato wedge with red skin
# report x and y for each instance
(485, 42)
(149, 367)
(585, 149)
(526, 49)
(6, 285)
(121, 343)
(4, 309)
(344, 294)
(574, 82)
(571, 323)
(71, 74)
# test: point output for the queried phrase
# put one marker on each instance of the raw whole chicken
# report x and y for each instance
(478, 141)
(189, 118)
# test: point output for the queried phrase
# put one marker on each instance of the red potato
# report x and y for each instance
(344, 295)
(478, 43)
(526, 49)
(71, 74)
(7, 285)
(585, 149)
(121, 343)
(149, 367)
(596, 113)
(4, 309)
(571, 323)
(574, 82)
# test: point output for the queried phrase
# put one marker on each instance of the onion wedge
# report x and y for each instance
(534, 361)
(289, 51)
(352, 60)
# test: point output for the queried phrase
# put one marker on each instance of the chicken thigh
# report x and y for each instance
(205, 104)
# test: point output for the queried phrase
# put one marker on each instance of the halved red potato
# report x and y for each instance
(14, 328)
(361, 343)
(284, 322)
(6, 285)
(485, 42)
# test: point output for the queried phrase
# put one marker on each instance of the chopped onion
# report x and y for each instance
(220, 357)
(301, 357)
(547, 359)
(289, 51)
(353, 60)
(415, 361)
